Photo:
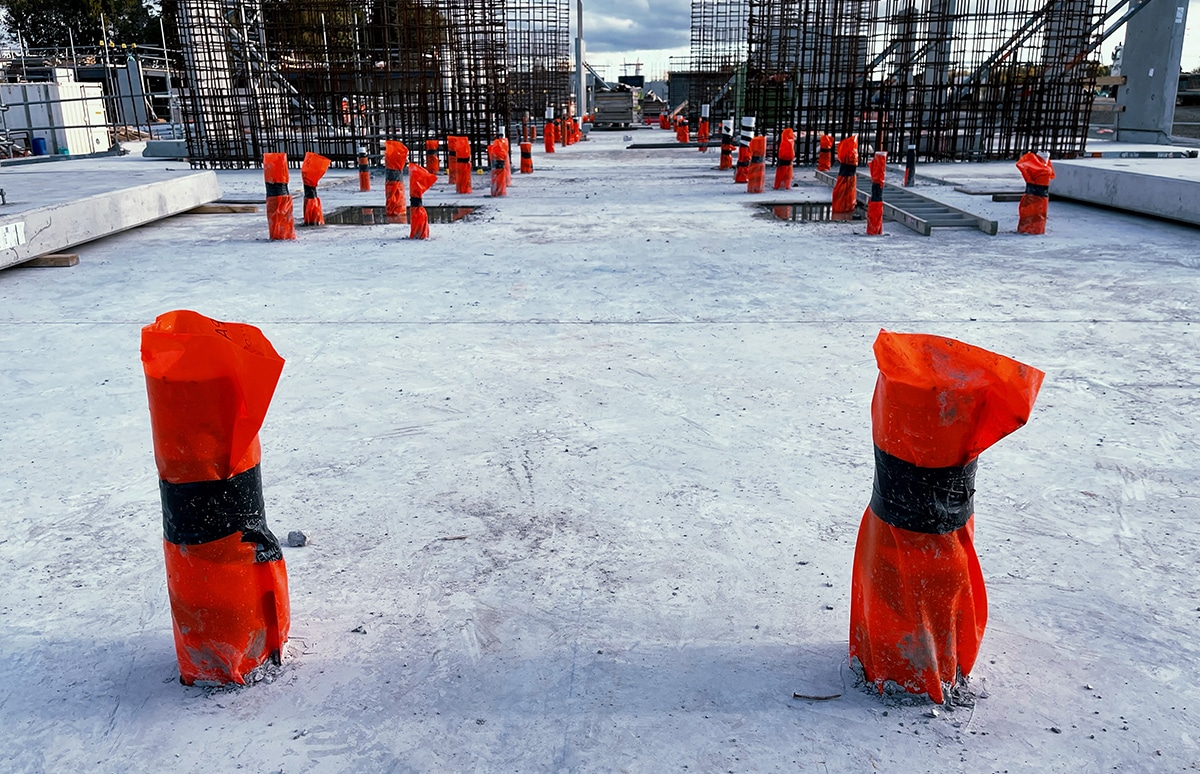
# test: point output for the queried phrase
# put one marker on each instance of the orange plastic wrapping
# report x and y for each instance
(431, 156)
(663, 121)
(312, 169)
(726, 146)
(209, 384)
(498, 159)
(681, 131)
(756, 172)
(419, 181)
(548, 137)
(462, 159)
(918, 605)
(451, 159)
(526, 158)
(281, 221)
(364, 172)
(395, 158)
(786, 160)
(1038, 172)
(845, 189)
(825, 154)
(741, 173)
(878, 167)
(702, 135)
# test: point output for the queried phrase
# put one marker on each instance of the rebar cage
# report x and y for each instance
(331, 76)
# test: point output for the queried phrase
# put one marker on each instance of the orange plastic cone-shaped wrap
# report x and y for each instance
(681, 131)
(878, 167)
(548, 138)
(312, 169)
(756, 176)
(497, 159)
(451, 155)
(432, 163)
(825, 154)
(526, 158)
(419, 181)
(702, 135)
(845, 190)
(395, 159)
(364, 171)
(462, 159)
(741, 173)
(281, 222)
(918, 606)
(785, 161)
(507, 160)
(209, 384)
(1038, 172)
(726, 144)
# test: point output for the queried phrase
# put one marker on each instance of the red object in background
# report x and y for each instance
(451, 156)
(432, 163)
(878, 167)
(419, 181)
(845, 189)
(756, 177)
(918, 605)
(526, 158)
(1038, 172)
(312, 169)
(825, 154)
(281, 222)
(702, 135)
(548, 138)
(786, 159)
(741, 173)
(395, 159)
(209, 384)
(364, 171)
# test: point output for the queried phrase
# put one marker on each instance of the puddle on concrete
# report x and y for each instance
(803, 211)
(376, 216)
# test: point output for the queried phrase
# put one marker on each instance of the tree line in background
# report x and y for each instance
(55, 23)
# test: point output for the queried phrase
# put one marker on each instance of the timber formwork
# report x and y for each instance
(957, 79)
(330, 76)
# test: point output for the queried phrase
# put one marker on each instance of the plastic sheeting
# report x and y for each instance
(498, 160)
(825, 153)
(756, 172)
(845, 190)
(526, 158)
(364, 170)
(432, 162)
(281, 221)
(1038, 172)
(395, 159)
(785, 162)
(878, 167)
(312, 169)
(209, 384)
(420, 180)
(918, 604)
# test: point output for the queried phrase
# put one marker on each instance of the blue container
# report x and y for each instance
(39, 146)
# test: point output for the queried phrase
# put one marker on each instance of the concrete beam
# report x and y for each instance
(90, 205)
(1165, 188)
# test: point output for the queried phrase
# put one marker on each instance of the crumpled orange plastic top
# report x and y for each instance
(395, 154)
(847, 150)
(275, 167)
(878, 167)
(420, 180)
(313, 168)
(1035, 169)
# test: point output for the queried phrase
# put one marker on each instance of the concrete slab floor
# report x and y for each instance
(646, 407)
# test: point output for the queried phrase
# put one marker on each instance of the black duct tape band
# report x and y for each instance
(497, 164)
(415, 201)
(826, 151)
(876, 192)
(204, 511)
(1038, 190)
(743, 162)
(462, 159)
(394, 175)
(277, 189)
(934, 501)
(362, 167)
(756, 159)
(847, 170)
(784, 163)
(310, 192)
(526, 154)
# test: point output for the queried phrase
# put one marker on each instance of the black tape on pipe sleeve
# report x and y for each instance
(497, 164)
(784, 163)
(876, 192)
(310, 192)
(415, 201)
(929, 500)
(277, 189)
(756, 159)
(526, 154)
(1038, 190)
(847, 170)
(204, 511)
(393, 175)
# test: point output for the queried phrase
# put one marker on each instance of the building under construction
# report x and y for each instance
(330, 76)
(956, 79)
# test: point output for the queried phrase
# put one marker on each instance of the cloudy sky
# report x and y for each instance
(650, 32)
